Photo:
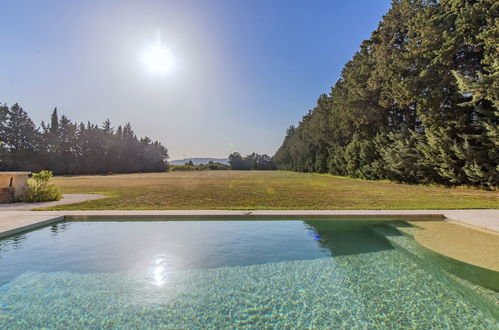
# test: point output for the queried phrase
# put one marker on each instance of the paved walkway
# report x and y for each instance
(67, 199)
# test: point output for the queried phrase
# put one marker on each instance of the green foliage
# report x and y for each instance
(218, 166)
(4, 157)
(40, 189)
(360, 157)
(253, 161)
(418, 103)
(336, 160)
(202, 167)
(19, 138)
(237, 162)
(187, 167)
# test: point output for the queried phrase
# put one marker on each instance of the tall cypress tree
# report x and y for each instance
(54, 122)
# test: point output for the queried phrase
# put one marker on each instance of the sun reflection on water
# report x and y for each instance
(161, 270)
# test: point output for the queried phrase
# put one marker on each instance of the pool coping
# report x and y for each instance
(12, 222)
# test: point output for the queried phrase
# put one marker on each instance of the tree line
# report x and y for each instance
(189, 166)
(418, 103)
(67, 147)
(253, 161)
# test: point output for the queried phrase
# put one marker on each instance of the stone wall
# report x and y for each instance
(6, 195)
(13, 185)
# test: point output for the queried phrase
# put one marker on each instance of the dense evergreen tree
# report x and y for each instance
(20, 137)
(65, 147)
(417, 103)
(4, 155)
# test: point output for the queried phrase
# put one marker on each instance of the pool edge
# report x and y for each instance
(15, 222)
(30, 226)
(12, 222)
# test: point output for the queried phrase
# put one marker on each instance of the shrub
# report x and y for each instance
(174, 168)
(201, 167)
(40, 190)
(218, 167)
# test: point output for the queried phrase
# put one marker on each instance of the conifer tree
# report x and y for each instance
(417, 103)
(66, 147)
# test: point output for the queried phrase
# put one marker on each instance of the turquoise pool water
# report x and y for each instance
(216, 274)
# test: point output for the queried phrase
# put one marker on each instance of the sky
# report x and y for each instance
(240, 72)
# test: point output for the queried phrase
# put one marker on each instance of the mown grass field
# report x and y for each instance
(263, 190)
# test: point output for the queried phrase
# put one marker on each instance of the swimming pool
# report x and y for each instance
(230, 273)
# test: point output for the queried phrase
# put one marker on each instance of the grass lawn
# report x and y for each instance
(263, 190)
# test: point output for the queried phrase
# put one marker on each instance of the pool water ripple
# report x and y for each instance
(329, 282)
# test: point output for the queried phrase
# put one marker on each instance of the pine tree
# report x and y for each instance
(20, 131)
(21, 138)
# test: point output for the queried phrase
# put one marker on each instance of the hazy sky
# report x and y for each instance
(244, 70)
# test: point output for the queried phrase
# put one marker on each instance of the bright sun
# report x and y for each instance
(158, 60)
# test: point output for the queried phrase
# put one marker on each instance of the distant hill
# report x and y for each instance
(199, 161)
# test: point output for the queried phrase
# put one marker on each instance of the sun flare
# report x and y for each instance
(158, 59)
